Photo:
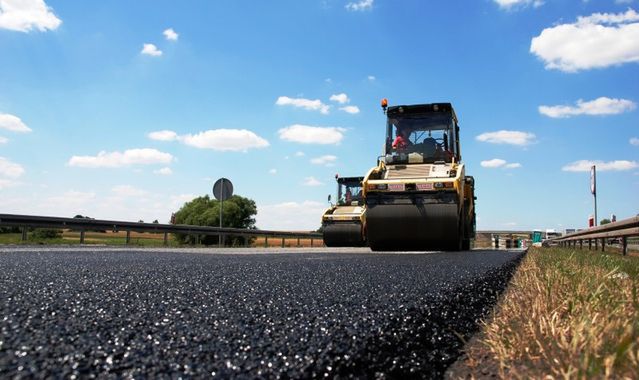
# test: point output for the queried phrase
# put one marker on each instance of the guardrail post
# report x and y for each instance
(283, 242)
(81, 236)
(128, 237)
(166, 238)
(589, 244)
(311, 242)
(624, 246)
(596, 244)
(581, 244)
(603, 244)
(265, 241)
(246, 241)
(24, 233)
(298, 242)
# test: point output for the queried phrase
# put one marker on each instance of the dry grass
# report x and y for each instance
(566, 314)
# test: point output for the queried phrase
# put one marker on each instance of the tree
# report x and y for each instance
(238, 212)
(604, 221)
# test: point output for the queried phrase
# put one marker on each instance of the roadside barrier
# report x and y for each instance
(79, 224)
(620, 230)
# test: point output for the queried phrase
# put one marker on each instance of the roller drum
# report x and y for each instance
(343, 235)
(430, 226)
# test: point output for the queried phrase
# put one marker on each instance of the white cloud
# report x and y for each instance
(371, 78)
(510, 4)
(3, 140)
(12, 123)
(128, 191)
(152, 50)
(584, 165)
(634, 141)
(235, 140)
(312, 135)
(26, 15)
(72, 201)
(350, 109)
(340, 98)
(327, 160)
(164, 171)
(597, 41)
(599, 106)
(6, 183)
(299, 154)
(104, 159)
(362, 5)
(311, 181)
(272, 171)
(164, 135)
(507, 137)
(290, 216)
(499, 163)
(170, 34)
(307, 104)
(10, 169)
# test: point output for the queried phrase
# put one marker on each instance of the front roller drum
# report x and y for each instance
(409, 227)
(343, 235)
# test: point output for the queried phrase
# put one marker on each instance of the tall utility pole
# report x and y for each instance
(593, 188)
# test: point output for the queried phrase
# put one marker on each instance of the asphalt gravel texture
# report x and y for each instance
(170, 314)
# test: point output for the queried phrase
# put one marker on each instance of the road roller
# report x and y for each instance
(344, 223)
(419, 197)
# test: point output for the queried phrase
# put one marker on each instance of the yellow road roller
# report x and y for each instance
(419, 197)
(344, 223)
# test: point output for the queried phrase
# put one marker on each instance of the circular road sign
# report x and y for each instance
(222, 189)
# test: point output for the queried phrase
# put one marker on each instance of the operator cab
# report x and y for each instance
(349, 191)
(425, 133)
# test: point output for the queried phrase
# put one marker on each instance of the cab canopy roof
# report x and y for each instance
(434, 108)
(350, 180)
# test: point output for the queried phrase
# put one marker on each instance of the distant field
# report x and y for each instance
(138, 239)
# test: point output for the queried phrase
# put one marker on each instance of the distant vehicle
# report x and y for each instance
(344, 223)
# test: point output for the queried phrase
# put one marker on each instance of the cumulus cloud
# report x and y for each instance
(72, 200)
(306, 134)
(340, 98)
(10, 169)
(170, 34)
(27, 15)
(272, 171)
(350, 109)
(128, 191)
(507, 137)
(585, 165)
(163, 171)
(499, 163)
(326, 160)
(599, 106)
(362, 5)
(311, 181)
(510, 4)
(299, 154)
(3, 140)
(289, 216)
(12, 123)
(307, 104)
(596, 41)
(634, 141)
(164, 135)
(150, 49)
(236, 140)
(116, 159)
(371, 78)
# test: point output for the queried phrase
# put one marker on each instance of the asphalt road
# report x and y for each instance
(148, 313)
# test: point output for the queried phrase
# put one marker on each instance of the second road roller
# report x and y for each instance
(344, 223)
(419, 197)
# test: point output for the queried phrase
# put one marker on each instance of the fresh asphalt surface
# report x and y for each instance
(80, 312)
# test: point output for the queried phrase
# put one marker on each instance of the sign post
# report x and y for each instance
(593, 188)
(222, 190)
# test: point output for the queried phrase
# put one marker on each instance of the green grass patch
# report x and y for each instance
(566, 314)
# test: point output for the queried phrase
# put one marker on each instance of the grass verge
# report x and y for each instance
(566, 314)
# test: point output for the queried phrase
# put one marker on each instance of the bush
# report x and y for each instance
(46, 233)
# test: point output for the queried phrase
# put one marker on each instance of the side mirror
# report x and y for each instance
(329, 198)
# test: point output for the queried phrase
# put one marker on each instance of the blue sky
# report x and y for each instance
(125, 110)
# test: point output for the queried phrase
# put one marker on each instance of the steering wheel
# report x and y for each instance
(439, 141)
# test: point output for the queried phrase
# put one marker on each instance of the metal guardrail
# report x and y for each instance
(622, 229)
(83, 225)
